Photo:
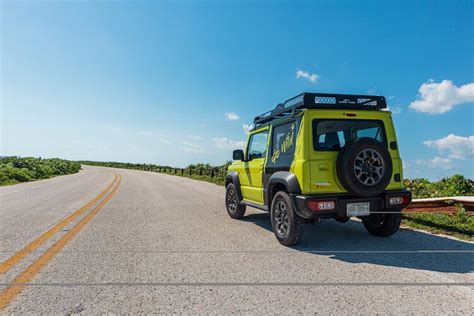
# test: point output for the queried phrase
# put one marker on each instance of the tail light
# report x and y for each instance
(398, 200)
(321, 206)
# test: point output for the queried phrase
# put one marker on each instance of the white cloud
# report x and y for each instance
(190, 147)
(394, 109)
(437, 163)
(438, 98)
(189, 144)
(312, 77)
(165, 141)
(247, 128)
(406, 164)
(231, 116)
(203, 125)
(409, 167)
(456, 147)
(146, 133)
(195, 137)
(149, 133)
(225, 143)
(441, 163)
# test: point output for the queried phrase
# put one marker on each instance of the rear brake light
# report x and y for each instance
(318, 206)
(398, 200)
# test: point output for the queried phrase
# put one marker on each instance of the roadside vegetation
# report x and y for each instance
(450, 186)
(15, 169)
(204, 172)
(460, 224)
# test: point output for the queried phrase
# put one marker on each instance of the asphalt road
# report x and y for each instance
(162, 244)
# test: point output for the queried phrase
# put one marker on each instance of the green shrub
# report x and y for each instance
(9, 172)
(449, 186)
(16, 169)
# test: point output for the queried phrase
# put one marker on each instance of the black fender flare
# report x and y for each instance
(286, 178)
(233, 177)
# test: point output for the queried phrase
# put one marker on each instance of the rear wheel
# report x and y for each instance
(286, 224)
(232, 203)
(382, 225)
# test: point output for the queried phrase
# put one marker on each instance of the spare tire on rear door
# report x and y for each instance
(364, 167)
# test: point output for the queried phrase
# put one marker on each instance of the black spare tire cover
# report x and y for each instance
(364, 167)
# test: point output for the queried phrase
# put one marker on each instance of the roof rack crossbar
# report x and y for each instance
(308, 100)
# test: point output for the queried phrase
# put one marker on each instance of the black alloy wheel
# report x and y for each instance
(235, 209)
(286, 224)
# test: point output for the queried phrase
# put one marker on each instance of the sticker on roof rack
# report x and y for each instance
(325, 100)
(347, 101)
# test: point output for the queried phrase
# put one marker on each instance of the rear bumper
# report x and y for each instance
(378, 204)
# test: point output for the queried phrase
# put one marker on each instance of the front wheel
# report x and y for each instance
(286, 224)
(382, 225)
(235, 209)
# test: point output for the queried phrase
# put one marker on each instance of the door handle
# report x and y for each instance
(261, 168)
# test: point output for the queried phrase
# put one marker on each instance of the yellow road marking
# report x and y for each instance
(17, 285)
(10, 262)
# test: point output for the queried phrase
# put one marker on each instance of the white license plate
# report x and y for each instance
(358, 209)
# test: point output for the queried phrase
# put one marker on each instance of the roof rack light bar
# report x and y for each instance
(308, 100)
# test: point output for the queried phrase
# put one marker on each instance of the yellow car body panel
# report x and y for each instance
(315, 170)
(250, 173)
(319, 173)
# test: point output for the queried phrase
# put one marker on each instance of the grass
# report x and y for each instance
(8, 182)
(460, 225)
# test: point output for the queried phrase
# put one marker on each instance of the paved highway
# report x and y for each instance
(123, 241)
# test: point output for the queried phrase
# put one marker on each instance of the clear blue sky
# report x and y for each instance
(152, 81)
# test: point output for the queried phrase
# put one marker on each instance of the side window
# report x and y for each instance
(257, 146)
(283, 144)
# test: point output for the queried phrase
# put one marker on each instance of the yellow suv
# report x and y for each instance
(321, 156)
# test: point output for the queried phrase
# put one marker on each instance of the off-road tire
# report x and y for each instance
(235, 209)
(382, 225)
(347, 174)
(281, 206)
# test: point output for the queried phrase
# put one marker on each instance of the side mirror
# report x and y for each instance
(238, 154)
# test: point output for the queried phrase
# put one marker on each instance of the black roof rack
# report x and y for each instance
(307, 100)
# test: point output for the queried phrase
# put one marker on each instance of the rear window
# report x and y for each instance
(332, 135)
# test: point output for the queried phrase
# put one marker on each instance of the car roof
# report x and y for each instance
(309, 100)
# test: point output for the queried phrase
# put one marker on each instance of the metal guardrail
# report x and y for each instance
(441, 205)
